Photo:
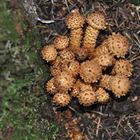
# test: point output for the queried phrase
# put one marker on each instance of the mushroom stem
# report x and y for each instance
(75, 38)
(90, 38)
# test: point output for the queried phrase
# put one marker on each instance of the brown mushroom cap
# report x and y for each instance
(66, 55)
(105, 81)
(61, 99)
(50, 87)
(87, 97)
(105, 60)
(71, 67)
(64, 81)
(49, 53)
(102, 95)
(90, 71)
(120, 85)
(74, 20)
(123, 68)
(61, 42)
(118, 45)
(97, 20)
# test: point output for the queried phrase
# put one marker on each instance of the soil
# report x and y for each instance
(120, 118)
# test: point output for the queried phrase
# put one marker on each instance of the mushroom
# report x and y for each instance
(120, 85)
(66, 55)
(96, 21)
(90, 71)
(123, 67)
(64, 81)
(87, 97)
(61, 42)
(71, 67)
(49, 53)
(50, 87)
(75, 22)
(102, 95)
(62, 99)
(118, 45)
(105, 60)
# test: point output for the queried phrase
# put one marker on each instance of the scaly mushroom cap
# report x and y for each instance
(105, 81)
(71, 67)
(105, 60)
(118, 45)
(74, 20)
(123, 68)
(49, 53)
(90, 71)
(61, 99)
(87, 97)
(79, 87)
(120, 85)
(50, 87)
(102, 95)
(61, 42)
(97, 20)
(66, 55)
(64, 81)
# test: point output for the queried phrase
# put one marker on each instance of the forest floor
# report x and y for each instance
(26, 110)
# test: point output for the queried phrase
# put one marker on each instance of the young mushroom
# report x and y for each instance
(120, 85)
(64, 81)
(123, 68)
(96, 21)
(105, 60)
(118, 45)
(87, 97)
(49, 53)
(90, 71)
(102, 96)
(61, 99)
(71, 67)
(50, 87)
(61, 42)
(75, 22)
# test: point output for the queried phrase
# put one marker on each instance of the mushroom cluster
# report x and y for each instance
(83, 70)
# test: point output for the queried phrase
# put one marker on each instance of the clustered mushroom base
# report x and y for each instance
(78, 65)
